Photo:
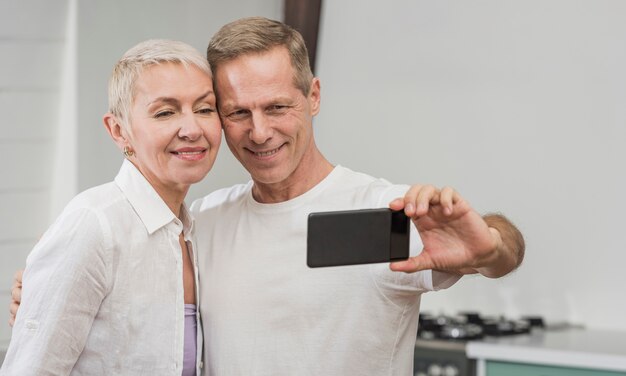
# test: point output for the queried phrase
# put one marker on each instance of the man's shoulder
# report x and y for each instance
(220, 197)
(363, 184)
(357, 178)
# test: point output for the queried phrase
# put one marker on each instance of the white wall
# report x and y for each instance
(520, 105)
(32, 43)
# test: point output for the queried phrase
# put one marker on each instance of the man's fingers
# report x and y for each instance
(13, 309)
(18, 276)
(13, 312)
(410, 199)
(418, 199)
(397, 204)
(411, 265)
(448, 199)
(428, 195)
(16, 294)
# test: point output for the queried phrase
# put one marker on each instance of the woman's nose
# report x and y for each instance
(190, 128)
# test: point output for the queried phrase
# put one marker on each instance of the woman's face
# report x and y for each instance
(174, 129)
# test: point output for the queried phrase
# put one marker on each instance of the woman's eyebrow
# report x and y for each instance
(207, 94)
(167, 100)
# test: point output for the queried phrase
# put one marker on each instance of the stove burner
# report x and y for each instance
(441, 340)
(470, 326)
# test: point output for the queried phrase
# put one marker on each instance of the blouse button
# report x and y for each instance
(31, 324)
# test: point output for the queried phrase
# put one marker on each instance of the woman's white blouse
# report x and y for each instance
(103, 288)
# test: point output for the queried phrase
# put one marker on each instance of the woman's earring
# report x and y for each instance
(127, 152)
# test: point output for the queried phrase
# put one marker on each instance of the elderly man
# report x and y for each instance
(264, 311)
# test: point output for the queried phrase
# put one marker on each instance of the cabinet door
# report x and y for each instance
(516, 369)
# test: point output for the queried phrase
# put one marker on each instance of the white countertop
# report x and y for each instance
(577, 348)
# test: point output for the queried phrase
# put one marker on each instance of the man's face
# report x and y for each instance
(267, 121)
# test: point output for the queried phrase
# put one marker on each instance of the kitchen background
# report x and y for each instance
(520, 105)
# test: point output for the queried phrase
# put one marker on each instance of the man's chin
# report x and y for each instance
(268, 176)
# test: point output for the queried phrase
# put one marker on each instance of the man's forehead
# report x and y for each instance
(258, 62)
(241, 79)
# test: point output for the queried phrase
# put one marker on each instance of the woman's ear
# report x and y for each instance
(116, 130)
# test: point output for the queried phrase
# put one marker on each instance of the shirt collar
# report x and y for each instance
(146, 202)
(188, 221)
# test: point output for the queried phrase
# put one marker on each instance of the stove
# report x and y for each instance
(441, 340)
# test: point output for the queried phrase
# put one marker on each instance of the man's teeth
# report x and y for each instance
(266, 153)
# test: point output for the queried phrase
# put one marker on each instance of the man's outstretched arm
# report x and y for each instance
(456, 238)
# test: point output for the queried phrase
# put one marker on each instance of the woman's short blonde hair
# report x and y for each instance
(136, 59)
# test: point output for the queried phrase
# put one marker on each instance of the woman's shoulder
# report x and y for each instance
(96, 198)
(82, 229)
(94, 208)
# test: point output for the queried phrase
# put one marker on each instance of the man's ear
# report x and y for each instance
(314, 96)
(116, 130)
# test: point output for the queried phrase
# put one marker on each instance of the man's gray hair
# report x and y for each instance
(257, 35)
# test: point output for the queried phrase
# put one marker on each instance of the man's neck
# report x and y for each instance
(298, 184)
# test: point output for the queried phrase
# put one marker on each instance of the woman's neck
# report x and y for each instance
(172, 194)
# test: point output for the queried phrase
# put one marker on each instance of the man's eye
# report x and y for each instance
(239, 114)
(277, 108)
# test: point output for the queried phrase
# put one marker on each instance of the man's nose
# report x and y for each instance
(261, 130)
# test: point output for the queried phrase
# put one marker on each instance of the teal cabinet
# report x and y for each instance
(565, 352)
(518, 369)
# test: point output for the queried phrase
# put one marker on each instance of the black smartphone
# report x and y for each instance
(353, 237)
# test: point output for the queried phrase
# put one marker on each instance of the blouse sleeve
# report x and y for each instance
(64, 283)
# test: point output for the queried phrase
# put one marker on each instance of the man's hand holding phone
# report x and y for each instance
(16, 296)
(455, 237)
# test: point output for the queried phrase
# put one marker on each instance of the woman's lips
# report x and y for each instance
(190, 154)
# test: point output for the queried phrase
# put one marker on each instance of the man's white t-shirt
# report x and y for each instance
(264, 312)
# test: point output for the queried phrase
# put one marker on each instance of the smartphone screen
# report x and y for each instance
(357, 237)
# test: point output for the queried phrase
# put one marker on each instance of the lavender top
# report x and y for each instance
(189, 358)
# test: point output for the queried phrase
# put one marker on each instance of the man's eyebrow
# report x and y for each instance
(226, 106)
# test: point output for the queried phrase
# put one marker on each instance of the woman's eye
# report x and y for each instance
(162, 114)
(207, 110)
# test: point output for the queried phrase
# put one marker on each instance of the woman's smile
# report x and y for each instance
(190, 153)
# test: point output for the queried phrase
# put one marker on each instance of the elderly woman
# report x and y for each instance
(110, 287)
